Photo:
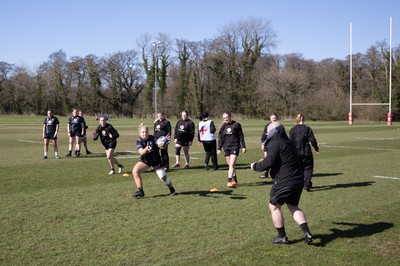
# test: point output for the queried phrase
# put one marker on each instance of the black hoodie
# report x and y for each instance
(282, 159)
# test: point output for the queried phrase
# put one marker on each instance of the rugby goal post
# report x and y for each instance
(389, 104)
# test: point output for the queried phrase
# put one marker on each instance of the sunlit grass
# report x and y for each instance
(70, 212)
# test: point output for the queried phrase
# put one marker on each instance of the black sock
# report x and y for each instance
(234, 178)
(281, 232)
(229, 179)
(304, 227)
(140, 189)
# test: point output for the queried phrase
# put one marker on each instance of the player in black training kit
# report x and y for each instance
(149, 157)
(76, 129)
(50, 131)
(108, 136)
(162, 127)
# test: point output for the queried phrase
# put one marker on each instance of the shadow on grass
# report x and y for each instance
(326, 174)
(256, 184)
(348, 185)
(100, 155)
(356, 230)
(206, 193)
(222, 167)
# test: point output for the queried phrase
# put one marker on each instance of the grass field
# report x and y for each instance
(70, 212)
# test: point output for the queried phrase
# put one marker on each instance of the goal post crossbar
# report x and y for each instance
(370, 104)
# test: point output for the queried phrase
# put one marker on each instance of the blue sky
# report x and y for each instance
(32, 30)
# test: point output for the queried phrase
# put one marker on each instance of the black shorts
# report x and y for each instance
(229, 152)
(286, 194)
(73, 134)
(182, 143)
(110, 145)
(153, 164)
(50, 136)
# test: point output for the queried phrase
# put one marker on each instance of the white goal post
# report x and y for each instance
(389, 114)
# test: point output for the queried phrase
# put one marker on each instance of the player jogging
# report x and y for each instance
(108, 136)
(231, 138)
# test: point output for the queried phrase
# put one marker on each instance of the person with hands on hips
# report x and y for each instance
(183, 135)
(207, 138)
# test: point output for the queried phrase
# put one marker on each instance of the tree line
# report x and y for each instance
(234, 72)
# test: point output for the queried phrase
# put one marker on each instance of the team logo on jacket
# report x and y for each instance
(104, 133)
(228, 130)
(181, 127)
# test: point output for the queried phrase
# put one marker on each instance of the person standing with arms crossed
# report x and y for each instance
(302, 135)
(75, 130)
(50, 130)
(184, 135)
(288, 181)
(231, 138)
(272, 118)
(149, 157)
(108, 136)
(162, 127)
(207, 138)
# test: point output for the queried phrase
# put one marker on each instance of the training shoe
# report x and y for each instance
(308, 238)
(138, 194)
(44, 157)
(68, 155)
(88, 152)
(172, 191)
(111, 172)
(232, 184)
(176, 165)
(186, 166)
(120, 169)
(78, 154)
(280, 240)
(57, 157)
(206, 167)
(262, 176)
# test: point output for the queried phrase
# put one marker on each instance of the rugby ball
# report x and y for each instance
(162, 142)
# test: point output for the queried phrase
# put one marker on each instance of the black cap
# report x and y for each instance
(205, 115)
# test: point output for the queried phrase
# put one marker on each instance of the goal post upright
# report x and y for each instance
(351, 74)
(389, 115)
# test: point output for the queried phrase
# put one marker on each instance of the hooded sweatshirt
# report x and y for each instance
(282, 159)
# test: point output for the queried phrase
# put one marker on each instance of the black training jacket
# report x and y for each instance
(282, 159)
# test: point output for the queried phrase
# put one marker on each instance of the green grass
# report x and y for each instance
(70, 212)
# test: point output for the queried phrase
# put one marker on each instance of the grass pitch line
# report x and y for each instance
(370, 138)
(31, 141)
(386, 177)
(359, 148)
